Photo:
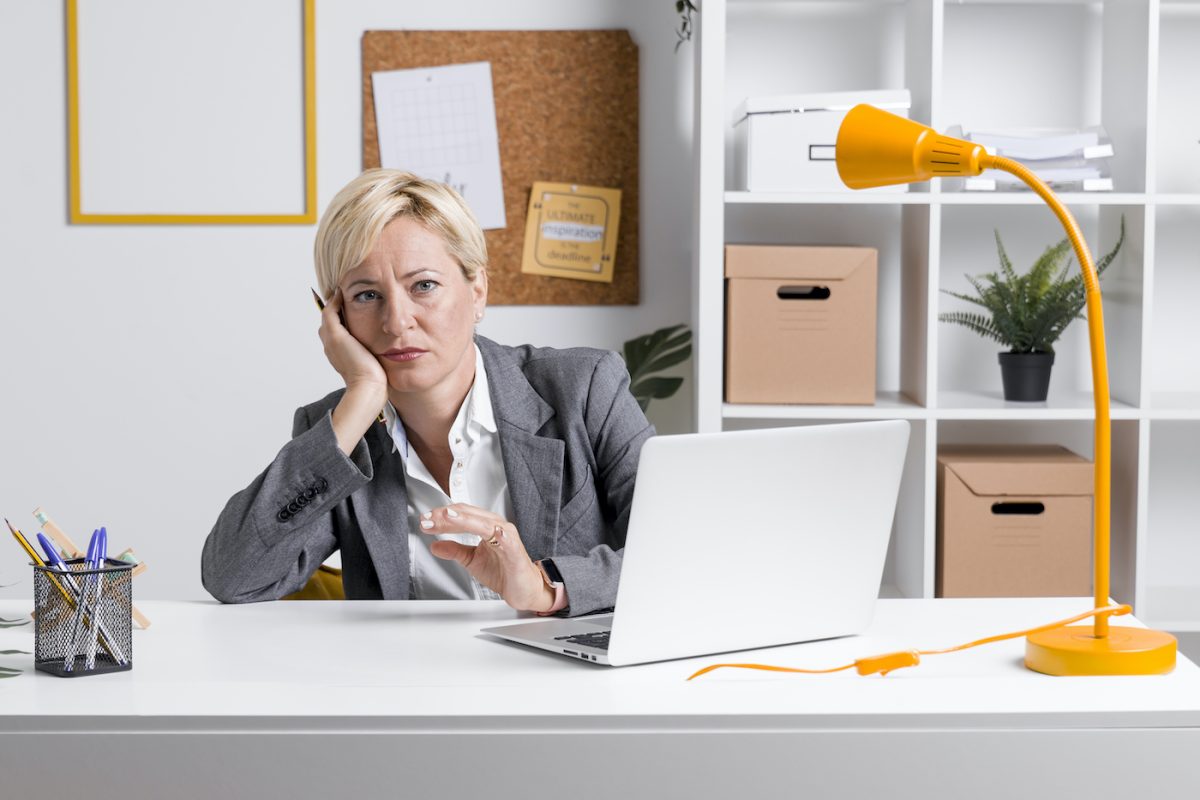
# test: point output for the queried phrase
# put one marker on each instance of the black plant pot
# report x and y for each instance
(1026, 376)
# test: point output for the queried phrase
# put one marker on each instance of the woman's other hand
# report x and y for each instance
(366, 382)
(499, 561)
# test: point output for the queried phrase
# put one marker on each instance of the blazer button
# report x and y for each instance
(302, 500)
(310, 493)
(322, 485)
(293, 507)
(283, 515)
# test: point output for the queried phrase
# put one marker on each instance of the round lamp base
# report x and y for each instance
(1074, 650)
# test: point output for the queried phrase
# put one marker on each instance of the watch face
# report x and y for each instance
(551, 570)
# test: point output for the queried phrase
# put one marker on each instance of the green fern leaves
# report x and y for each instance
(1028, 313)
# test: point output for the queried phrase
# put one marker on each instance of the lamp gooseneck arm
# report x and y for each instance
(1103, 432)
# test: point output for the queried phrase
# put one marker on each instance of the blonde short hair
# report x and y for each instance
(358, 213)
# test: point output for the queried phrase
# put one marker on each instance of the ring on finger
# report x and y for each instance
(497, 535)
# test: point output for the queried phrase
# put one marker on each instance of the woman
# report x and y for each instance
(496, 471)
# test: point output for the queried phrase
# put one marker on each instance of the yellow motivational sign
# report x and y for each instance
(571, 231)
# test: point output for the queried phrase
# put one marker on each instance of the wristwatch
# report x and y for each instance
(550, 573)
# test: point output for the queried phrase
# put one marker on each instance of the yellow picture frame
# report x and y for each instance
(307, 217)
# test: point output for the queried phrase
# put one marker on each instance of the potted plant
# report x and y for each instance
(1027, 313)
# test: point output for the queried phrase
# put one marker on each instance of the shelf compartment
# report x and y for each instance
(1079, 65)
(1174, 373)
(1177, 121)
(901, 237)
(801, 48)
(968, 363)
(1077, 436)
(1171, 546)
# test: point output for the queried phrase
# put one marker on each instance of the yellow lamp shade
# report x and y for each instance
(875, 148)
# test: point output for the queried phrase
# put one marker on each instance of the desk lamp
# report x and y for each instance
(875, 148)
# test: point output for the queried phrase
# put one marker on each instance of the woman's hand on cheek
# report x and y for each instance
(357, 365)
(504, 567)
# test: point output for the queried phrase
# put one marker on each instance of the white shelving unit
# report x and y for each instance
(1129, 65)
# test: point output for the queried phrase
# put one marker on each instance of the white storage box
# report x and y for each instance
(786, 143)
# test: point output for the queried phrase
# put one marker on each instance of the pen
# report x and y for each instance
(93, 633)
(53, 559)
(76, 628)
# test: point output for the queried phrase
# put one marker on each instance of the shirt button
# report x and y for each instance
(458, 440)
(459, 465)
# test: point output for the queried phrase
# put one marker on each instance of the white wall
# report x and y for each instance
(150, 372)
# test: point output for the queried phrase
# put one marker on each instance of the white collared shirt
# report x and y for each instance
(476, 477)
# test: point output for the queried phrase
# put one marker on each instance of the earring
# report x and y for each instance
(478, 316)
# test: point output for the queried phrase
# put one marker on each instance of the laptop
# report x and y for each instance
(744, 539)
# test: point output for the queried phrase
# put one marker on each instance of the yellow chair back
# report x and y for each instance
(325, 584)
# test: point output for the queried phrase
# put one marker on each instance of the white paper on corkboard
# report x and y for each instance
(440, 123)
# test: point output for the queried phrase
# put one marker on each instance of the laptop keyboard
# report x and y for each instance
(598, 640)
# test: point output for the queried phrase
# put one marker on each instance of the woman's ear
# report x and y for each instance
(480, 292)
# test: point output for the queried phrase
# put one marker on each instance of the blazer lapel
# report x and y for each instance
(381, 510)
(533, 464)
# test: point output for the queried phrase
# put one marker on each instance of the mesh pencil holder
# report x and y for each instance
(84, 618)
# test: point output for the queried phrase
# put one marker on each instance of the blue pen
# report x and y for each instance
(93, 632)
(52, 556)
(55, 560)
(86, 584)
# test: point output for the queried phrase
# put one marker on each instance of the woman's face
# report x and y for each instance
(409, 304)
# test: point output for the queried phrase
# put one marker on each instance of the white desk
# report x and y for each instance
(343, 699)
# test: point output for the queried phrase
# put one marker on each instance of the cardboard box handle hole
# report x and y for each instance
(1018, 508)
(803, 292)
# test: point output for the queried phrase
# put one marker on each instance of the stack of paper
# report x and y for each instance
(1066, 160)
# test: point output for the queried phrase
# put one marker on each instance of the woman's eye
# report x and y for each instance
(425, 287)
(366, 295)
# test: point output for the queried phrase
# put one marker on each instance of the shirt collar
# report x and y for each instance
(476, 410)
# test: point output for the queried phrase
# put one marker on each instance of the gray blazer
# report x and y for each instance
(570, 436)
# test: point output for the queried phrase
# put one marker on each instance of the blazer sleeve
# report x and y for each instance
(616, 429)
(271, 536)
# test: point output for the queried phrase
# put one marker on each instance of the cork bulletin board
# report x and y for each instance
(566, 111)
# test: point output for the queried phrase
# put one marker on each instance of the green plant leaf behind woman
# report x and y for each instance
(1027, 313)
(654, 352)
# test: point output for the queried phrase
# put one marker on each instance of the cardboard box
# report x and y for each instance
(800, 324)
(786, 143)
(1013, 521)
